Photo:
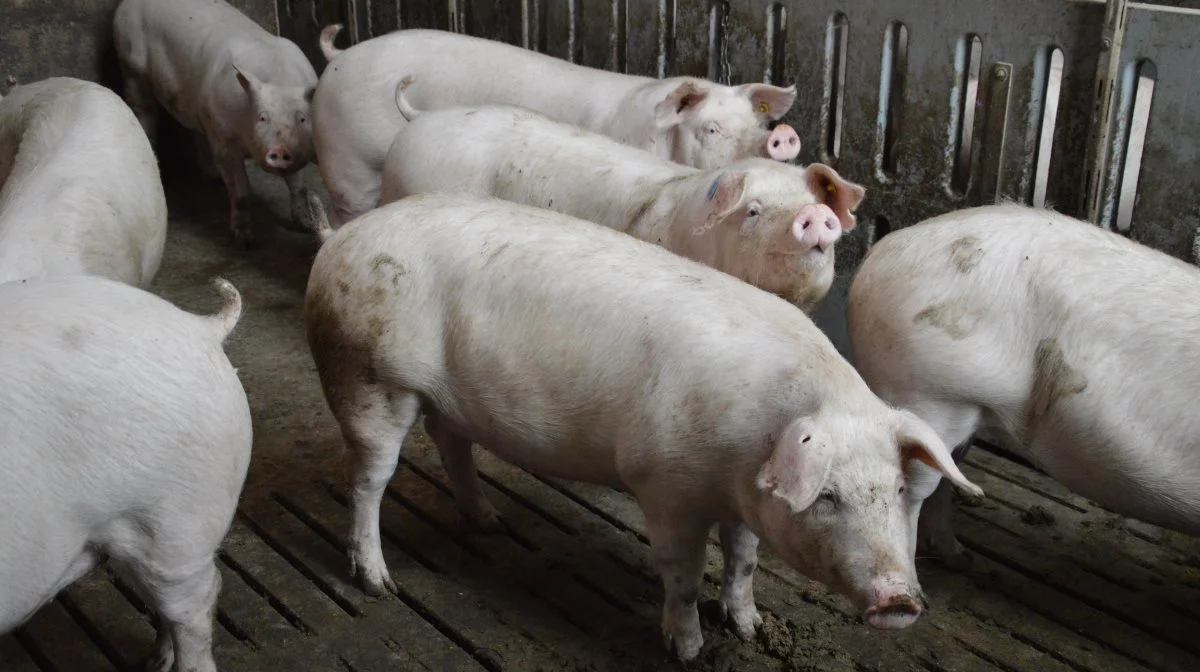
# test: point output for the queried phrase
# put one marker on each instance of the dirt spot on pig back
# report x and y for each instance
(952, 317)
(965, 253)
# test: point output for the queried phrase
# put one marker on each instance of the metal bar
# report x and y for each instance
(1103, 110)
(994, 132)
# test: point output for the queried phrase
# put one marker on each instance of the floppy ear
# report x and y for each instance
(685, 98)
(248, 81)
(798, 466)
(840, 195)
(724, 196)
(770, 102)
(918, 441)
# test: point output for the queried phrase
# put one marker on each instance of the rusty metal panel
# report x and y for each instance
(1151, 190)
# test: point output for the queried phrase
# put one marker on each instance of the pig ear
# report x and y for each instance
(798, 467)
(723, 197)
(770, 102)
(919, 442)
(840, 195)
(248, 81)
(685, 98)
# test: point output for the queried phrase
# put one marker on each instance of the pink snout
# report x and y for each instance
(894, 611)
(783, 144)
(816, 227)
(278, 157)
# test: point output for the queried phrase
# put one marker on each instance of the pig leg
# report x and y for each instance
(232, 167)
(740, 547)
(464, 478)
(353, 186)
(204, 157)
(298, 196)
(140, 98)
(931, 530)
(677, 543)
(374, 425)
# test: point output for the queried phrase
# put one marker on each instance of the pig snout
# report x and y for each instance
(278, 157)
(783, 144)
(895, 607)
(816, 227)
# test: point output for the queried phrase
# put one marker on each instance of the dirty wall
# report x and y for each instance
(73, 38)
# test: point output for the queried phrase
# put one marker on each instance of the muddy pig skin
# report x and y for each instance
(125, 435)
(1070, 344)
(582, 353)
(243, 91)
(684, 119)
(768, 223)
(80, 192)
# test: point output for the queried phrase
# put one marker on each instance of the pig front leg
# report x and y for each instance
(140, 97)
(299, 198)
(464, 478)
(204, 157)
(232, 166)
(740, 547)
(677, 545)
(935, 529)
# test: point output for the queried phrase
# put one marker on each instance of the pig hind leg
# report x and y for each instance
(353, 187)
(740, 548)
(460, 467)
(174, 570)
(374, 423)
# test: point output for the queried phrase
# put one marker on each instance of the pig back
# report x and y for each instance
(110, 398)
(59, 213)
(508, 317)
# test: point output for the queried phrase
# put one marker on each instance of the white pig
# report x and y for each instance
(579, 352)
(771, 224)
(242, 90)
(1078, 348)
(125, 435)
(80, 191)
(684, 119)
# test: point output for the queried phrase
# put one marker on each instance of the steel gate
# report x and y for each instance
(1089, 107)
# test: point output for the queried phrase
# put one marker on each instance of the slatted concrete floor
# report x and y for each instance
(1056, 584)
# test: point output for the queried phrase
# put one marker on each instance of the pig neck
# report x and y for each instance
(655, 204)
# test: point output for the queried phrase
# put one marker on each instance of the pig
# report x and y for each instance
(80, 191)
(578, 352)
(771, 224)
(1071, 345)
(243, 91)
(125, 435)
(684, 119)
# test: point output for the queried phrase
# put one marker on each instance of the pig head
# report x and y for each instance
(832, 501)
(771, 225)
(275, 127)
(705, 125)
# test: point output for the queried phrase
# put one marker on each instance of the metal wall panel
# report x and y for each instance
(958, 126)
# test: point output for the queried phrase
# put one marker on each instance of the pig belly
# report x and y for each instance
(576, 458)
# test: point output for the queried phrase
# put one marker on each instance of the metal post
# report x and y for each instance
(1103, 109)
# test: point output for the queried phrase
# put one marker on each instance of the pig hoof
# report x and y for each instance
(485, 519)
(745, 620)
(375, 581)
(686, 645)
(244, 239)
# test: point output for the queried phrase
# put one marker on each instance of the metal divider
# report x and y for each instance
(933, 105)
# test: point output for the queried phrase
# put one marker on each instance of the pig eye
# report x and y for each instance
(829, 496)
(754, 210)
(262, 118)
(903, 489)
(712, 129)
